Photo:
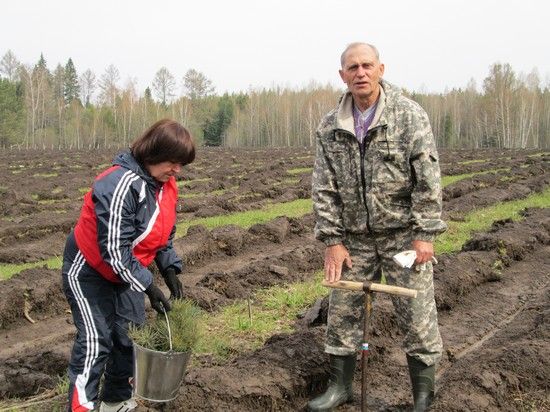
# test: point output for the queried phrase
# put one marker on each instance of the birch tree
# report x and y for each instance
(196, 85)
(108, 83)
(88, 86)
(9, 66)
(164, 85)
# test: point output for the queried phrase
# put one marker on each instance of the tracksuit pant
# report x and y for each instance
(102, 311)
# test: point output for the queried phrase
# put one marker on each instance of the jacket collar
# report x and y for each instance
(127, 160)
(344, 113)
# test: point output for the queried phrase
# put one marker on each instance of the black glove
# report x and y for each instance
(173, 283)
(157, 298)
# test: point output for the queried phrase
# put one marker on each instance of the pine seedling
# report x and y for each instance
(184, 321)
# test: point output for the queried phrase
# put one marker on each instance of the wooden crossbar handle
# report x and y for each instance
(370, 286)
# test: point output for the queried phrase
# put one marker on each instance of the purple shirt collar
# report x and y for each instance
(360, 124)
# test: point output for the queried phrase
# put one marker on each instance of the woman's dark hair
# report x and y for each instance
(165, 141)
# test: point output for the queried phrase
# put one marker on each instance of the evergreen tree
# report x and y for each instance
(215, 128)
(41, 65)
(147, 94)
(448, 131)
(71, 88)
(12, 116)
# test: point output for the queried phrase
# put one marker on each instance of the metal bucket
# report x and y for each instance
(159, 375)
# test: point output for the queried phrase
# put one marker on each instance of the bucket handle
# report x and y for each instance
(168, 324)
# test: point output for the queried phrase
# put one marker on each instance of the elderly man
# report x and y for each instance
(377, 192)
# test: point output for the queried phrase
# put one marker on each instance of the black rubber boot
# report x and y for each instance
(422, 379)
(339, 389)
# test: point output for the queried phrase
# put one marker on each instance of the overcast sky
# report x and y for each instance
(426, 45)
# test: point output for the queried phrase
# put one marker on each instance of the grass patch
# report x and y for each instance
(299, 170)
(62, 385)
(10, 269)
(53, 400)
(287, 182)
(218, 192)
(469, 162)
(539, 154)
(181, 183)
(246, 219)
(45, 174)
(39, 198)
(245, 325)
(447, 180)
(459, 233)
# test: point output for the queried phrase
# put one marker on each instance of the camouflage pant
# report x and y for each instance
(371, 256)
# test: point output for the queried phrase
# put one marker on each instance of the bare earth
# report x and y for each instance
(493, 296)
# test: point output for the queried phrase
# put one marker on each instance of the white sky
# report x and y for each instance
(426, 45)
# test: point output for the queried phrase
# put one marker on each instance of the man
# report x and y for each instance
(377, 192)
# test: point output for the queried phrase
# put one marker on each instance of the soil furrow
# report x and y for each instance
(493, 296)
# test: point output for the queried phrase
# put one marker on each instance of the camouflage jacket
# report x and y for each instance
(392, 181)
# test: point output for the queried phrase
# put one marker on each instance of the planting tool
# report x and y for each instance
(368, 288)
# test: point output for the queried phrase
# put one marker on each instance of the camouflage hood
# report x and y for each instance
(342, 116)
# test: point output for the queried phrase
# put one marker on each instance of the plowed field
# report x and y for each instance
(493, 293)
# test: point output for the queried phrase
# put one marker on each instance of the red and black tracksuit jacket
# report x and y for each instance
(127, 221)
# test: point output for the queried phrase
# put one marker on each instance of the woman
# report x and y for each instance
(127, 221)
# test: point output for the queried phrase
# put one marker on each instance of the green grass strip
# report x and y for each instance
(299, 170)
(239, 327)
(45, 175)
(9, 270)
(469, 162)
(451, 241)
(447, 180)
(286, 182)
(480, 220)
(246, 219)
(191, 195)
(182, 183)
(539, 154)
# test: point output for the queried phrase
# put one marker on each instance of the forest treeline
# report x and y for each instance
(60, 108)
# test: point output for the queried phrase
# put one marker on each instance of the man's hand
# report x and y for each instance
(173, 283)
(157, 298)
(424, 251)
(335, 256)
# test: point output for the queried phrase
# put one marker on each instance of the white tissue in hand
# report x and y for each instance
(405, 259)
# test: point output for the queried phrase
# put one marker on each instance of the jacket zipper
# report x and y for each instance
(363, 146)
